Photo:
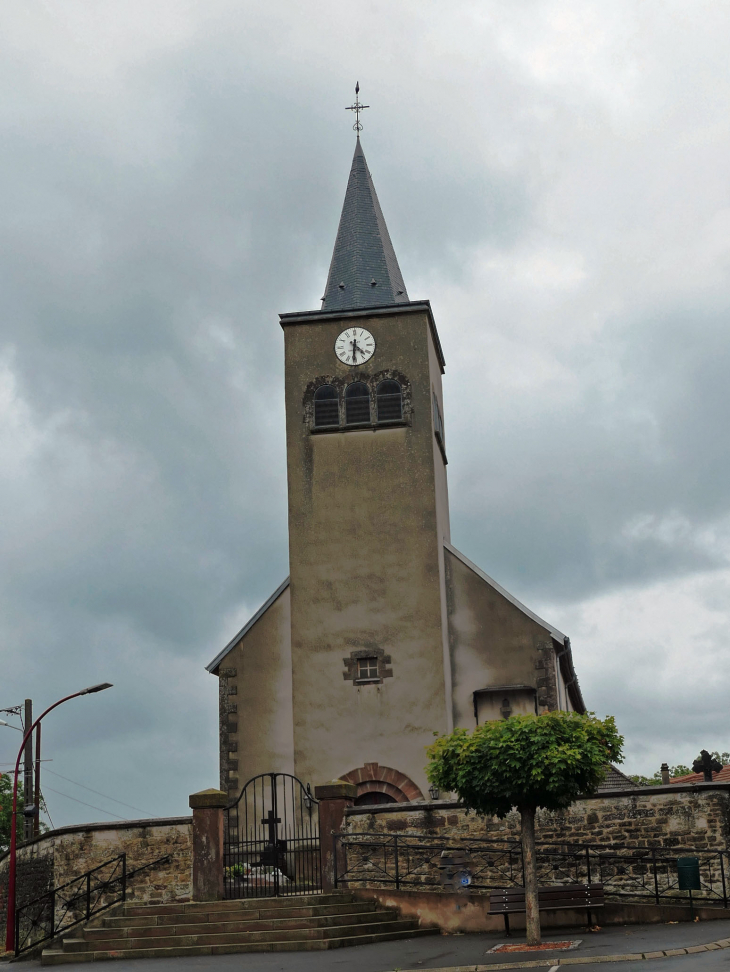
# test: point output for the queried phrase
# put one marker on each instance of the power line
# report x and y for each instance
(48, 812)
(97, 792)
(83, 804)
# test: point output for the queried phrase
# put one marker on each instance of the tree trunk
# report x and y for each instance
(532, 910)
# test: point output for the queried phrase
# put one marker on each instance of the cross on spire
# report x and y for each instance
(357, 108)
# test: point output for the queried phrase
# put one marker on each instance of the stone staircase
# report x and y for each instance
(315, 921)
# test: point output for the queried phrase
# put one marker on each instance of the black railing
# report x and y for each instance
(626, 873)
(70, 904)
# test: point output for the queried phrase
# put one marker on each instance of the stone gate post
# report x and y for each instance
(208, 818)
(333, 798)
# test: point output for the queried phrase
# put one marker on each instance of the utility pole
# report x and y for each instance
(28, 771)
(37, 815)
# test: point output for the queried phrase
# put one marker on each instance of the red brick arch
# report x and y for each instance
(383, 779)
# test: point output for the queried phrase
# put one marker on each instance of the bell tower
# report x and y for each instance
(384, 633)
(368, 510)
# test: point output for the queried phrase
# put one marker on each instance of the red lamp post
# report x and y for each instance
(10, 929)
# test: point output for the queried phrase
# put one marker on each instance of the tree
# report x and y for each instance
(525, 762)
(6, 808)
(656, 779)
(6, 811)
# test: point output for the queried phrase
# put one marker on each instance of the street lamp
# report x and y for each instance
(10, 928)
(9, 725)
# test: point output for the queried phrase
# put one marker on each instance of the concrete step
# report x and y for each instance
(236, 926)
(57, 957)
(188, 907)
(388, 923)
(237, 914)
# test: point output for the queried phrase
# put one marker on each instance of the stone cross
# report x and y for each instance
(707, 765)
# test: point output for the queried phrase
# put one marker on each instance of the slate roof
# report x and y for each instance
(363, 252)
(616, 780)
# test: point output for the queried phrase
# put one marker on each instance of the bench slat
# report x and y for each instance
(512, 900)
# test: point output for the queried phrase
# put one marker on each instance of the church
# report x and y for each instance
(384, 634)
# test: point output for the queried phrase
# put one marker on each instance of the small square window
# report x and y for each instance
(367, 668)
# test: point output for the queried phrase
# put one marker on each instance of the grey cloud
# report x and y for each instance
(168, 187)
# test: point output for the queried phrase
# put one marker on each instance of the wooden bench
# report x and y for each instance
(511, 901)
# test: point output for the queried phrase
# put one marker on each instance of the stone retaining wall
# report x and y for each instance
(61, 855)
(696, 817)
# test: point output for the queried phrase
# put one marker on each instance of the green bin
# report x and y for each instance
(688, 872)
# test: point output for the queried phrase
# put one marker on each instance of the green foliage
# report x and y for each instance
(656, 779)
(525, 761)
(6, 809)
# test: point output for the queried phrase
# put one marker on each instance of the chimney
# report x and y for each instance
(665, 773)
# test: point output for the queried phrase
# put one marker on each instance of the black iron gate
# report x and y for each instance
(272, 839)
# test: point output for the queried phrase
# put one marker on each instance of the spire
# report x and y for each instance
(364, 271)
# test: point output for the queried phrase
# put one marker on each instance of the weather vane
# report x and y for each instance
(357, 108)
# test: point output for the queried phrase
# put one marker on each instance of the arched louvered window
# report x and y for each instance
(357, 403)
(326, 406)
(390, 401)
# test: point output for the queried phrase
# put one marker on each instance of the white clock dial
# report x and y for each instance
(355, 346)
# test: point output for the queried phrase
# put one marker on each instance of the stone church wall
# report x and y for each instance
(696, 817)
(63, 854)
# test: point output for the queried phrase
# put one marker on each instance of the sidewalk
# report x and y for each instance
(466, 952)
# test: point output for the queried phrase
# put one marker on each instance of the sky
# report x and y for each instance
(554, 175)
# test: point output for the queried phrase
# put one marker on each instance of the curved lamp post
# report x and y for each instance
(10, 929)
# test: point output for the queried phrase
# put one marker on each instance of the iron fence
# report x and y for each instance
(626, 873)
(60, 909)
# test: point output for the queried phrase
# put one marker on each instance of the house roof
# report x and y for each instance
(722, 776)
(364, 270)
(616, 780)
(247, 626)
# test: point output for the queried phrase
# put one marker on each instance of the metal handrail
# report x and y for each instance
(412, 860)
(70, 905)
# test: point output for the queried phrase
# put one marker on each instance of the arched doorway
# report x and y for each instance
(374, 798)
(381, 784)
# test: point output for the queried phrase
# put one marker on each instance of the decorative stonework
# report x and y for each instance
(547, 683)
(372, 381)
(350, 673)
(373, 778)
(228, 726)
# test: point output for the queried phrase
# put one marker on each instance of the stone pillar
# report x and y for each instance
(208, 817)
(333, 798)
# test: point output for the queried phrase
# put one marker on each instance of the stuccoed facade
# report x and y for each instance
(373, 573)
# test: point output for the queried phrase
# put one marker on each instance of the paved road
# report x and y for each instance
(447, 951)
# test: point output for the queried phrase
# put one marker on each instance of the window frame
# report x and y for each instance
(336, 400)
(347, 396)
(371, 382)
(351, 672)
(371, 662)
(378, 396)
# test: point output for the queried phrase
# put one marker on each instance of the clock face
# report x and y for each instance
(355, 346)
